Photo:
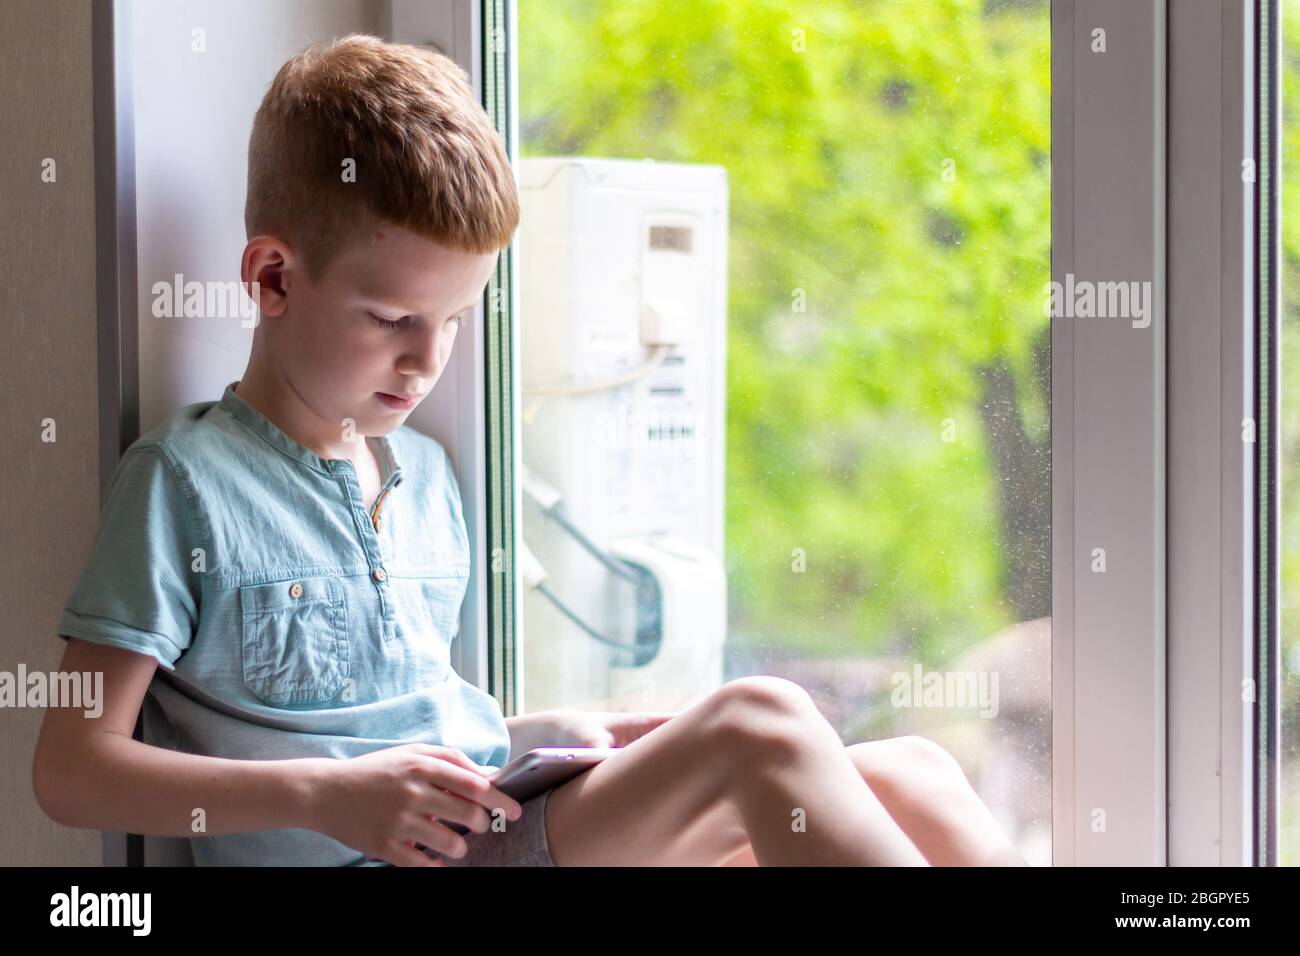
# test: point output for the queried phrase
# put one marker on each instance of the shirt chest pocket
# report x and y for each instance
(295, 640)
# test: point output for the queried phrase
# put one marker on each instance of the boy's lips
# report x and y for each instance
(399, 401)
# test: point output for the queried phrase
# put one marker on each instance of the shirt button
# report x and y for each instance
(295, 590)
(378, 574)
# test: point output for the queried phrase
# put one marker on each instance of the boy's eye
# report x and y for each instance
(457, 320)
(386, 323)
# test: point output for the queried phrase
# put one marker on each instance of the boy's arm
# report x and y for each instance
(89, 772)
(552, 728)
(580, 728)
(522, 734)
(564, 727)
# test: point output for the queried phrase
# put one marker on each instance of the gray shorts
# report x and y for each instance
(521, 843)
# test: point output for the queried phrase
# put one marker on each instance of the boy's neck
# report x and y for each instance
(282, 408)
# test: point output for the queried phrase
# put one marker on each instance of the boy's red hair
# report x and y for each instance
(426, 156)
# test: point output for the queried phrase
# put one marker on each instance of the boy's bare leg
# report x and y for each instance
(756, 764)
(744, 858)
(926, 792)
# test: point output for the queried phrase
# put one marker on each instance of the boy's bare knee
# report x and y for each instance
(765, 693)
(908, 766)
(924, 753)
(927, 777)
(762, 717)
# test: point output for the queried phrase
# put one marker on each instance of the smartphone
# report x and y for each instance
(537, 771)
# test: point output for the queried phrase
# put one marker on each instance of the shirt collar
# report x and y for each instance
(264, 428)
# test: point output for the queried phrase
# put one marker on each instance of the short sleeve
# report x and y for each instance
(138, 591)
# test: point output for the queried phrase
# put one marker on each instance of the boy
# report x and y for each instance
(278, 574)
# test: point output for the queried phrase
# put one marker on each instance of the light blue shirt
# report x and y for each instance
(288, 621)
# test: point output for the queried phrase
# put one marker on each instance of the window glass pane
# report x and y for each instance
(785, 366)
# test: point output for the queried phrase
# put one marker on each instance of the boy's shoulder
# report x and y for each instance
(186, 432)
(179, 424)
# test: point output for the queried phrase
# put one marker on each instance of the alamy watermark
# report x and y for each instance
(76, 689)
(179, 299)
(946, 689)
(75, 908)
(1084, 299)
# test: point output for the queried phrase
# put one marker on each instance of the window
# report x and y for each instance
(785, 362)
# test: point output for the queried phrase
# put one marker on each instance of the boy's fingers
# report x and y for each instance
(436, 837)
(460, 758)
(409, 856)
(449, 754)
(470, 787)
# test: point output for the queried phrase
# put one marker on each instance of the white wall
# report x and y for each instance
(194, 112)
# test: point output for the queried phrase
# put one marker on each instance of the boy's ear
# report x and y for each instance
(266, 263)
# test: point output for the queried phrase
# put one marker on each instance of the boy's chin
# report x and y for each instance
(380, 428)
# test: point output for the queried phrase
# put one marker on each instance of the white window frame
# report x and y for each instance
(1108, 462)
(1211, 542)
(1150, 732)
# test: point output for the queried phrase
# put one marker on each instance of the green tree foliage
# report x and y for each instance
(888, 163)
(1289, 427)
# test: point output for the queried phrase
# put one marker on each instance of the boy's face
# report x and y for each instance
(328, 340)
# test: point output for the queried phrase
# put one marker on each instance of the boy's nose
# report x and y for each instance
(426, 362)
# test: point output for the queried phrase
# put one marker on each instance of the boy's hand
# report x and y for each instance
(383, 803)
(580, 728)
